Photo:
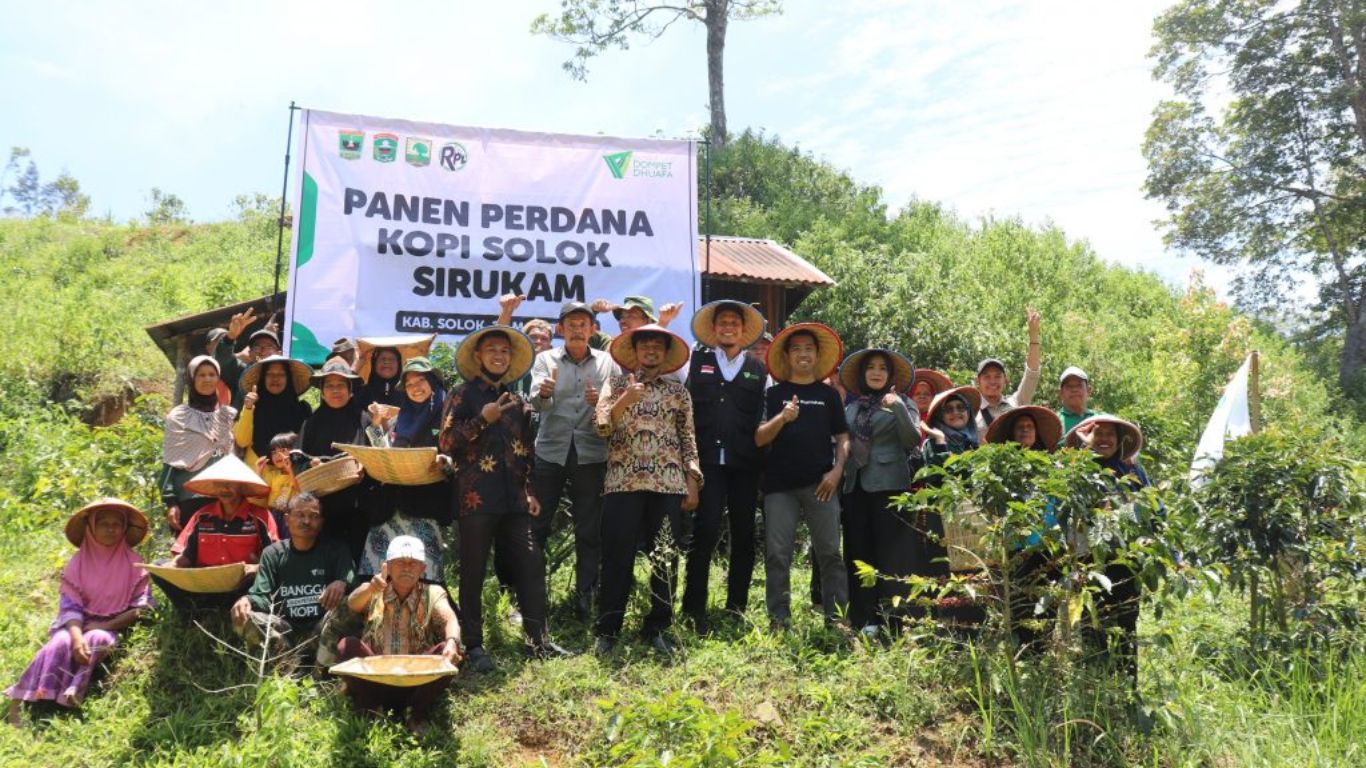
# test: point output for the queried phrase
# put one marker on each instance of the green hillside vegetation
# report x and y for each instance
(949, 291)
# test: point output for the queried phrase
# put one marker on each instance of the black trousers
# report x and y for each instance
(345, 520)
(512, 537)
(625, 518)
(734, 492)
(1030, 575)
(585, 480)
(1117, 637)
(877, 533)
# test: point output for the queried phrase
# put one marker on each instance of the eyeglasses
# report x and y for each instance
(955, 408)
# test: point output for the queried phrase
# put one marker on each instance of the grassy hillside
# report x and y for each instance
(947, 290)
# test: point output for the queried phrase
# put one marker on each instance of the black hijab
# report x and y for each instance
(276, 414)
(378, 389)
(330, 425)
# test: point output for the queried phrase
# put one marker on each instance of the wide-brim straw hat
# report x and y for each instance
(398, 671)
(523, 354)
(227, 472)
(903, 373)
(829, 351)
(137, 522)
(937, 380)
(397, 466)
(1129, 434)
(624, 351)
(408, 347)
(299, 373)
(209, 580)
(704, 331)
(974, 402)
(330, 476)
(335, 366)
(1046, 424)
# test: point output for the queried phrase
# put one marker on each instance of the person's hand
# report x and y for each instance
(441, 462)
(80, 649)
(249, 402)
(601, 305)
(249, 570)
(173, 517)
(691, 499)
(380, 581)
(791, 410)
(1033, 321)
(315, 462)
(669, 311)
(632, 393)
(590, 393)
(533, 506)
(936, 435)
(509, 302)
(240, 321)
(1085, 433)
(548, 385)
(379, 415)
(450, 651)
(333, 595)
(890, 399)
(829, 482)
(241, 610)
(492, 412)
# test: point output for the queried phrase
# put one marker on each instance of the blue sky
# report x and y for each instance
(1035, 109)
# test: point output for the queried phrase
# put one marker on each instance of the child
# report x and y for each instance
(277, 470)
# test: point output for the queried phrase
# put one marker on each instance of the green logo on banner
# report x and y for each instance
(617, 163)
(351, 142)
(386, 147)
(418, 152)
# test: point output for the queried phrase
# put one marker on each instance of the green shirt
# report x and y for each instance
(1070, 420)
(294, 580)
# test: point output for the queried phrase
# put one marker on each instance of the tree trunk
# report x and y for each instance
(717, 13)
(1353, 352)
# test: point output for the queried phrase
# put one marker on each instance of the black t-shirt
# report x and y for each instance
(294, 580)
(803, 450)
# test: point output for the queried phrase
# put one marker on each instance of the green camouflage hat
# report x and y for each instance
(642, 303)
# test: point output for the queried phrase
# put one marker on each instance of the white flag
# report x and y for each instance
(1229, 420)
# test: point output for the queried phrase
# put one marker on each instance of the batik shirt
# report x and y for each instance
(492, 461)
(653, 446)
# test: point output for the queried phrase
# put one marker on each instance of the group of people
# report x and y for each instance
(639, 432)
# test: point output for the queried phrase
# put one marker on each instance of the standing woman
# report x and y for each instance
(380, 361)
(1035, 428)
(1116, 444)
(882, 432)
(198, 432)
(272, 405)
(924, 386)
(337, 420)
(952, 429)
(103, 590)
(411, 510)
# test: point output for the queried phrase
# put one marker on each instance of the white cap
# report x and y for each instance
(406, 547)
(1073, 371)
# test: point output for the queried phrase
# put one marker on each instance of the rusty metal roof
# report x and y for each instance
(758, 261)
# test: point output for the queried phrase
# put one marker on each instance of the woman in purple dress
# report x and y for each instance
(103, 590)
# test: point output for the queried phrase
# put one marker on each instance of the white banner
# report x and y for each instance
(404, 227)
(1230, 420)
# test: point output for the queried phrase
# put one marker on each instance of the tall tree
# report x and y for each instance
(596, 25)
(1261, 157)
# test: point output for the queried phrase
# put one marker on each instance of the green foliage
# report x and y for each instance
(679, 730)
(1287, 514)
(59, 197)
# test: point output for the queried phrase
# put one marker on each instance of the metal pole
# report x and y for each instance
(706, 264)
(284, 190)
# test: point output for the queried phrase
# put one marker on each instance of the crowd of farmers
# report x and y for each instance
(328, 534)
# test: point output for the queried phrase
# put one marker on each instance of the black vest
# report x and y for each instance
(726, 413)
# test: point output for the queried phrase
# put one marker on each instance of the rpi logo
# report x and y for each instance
(453, 156)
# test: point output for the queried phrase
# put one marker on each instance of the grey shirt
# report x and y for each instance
(566, 416)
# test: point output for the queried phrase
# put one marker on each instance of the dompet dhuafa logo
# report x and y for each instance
(617, 163)
(624, 164)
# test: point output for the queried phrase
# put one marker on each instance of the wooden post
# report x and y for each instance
(182, 359)
(1254, 392)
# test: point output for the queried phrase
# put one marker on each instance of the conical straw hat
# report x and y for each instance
(1046, 424)
(624, 351)
(228, 471)
(137, 522)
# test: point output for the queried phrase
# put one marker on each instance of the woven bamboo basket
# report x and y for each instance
(396, 466)
(330, 477)
(211, 579)
(396, 670)
(963, 532)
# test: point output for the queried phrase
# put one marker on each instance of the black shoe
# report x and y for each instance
(478, 660)
(549, 650)
(662, 645)
(604, 646)
(700, 625)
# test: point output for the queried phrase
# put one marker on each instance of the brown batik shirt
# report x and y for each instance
(652, 447)
(492, 461)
